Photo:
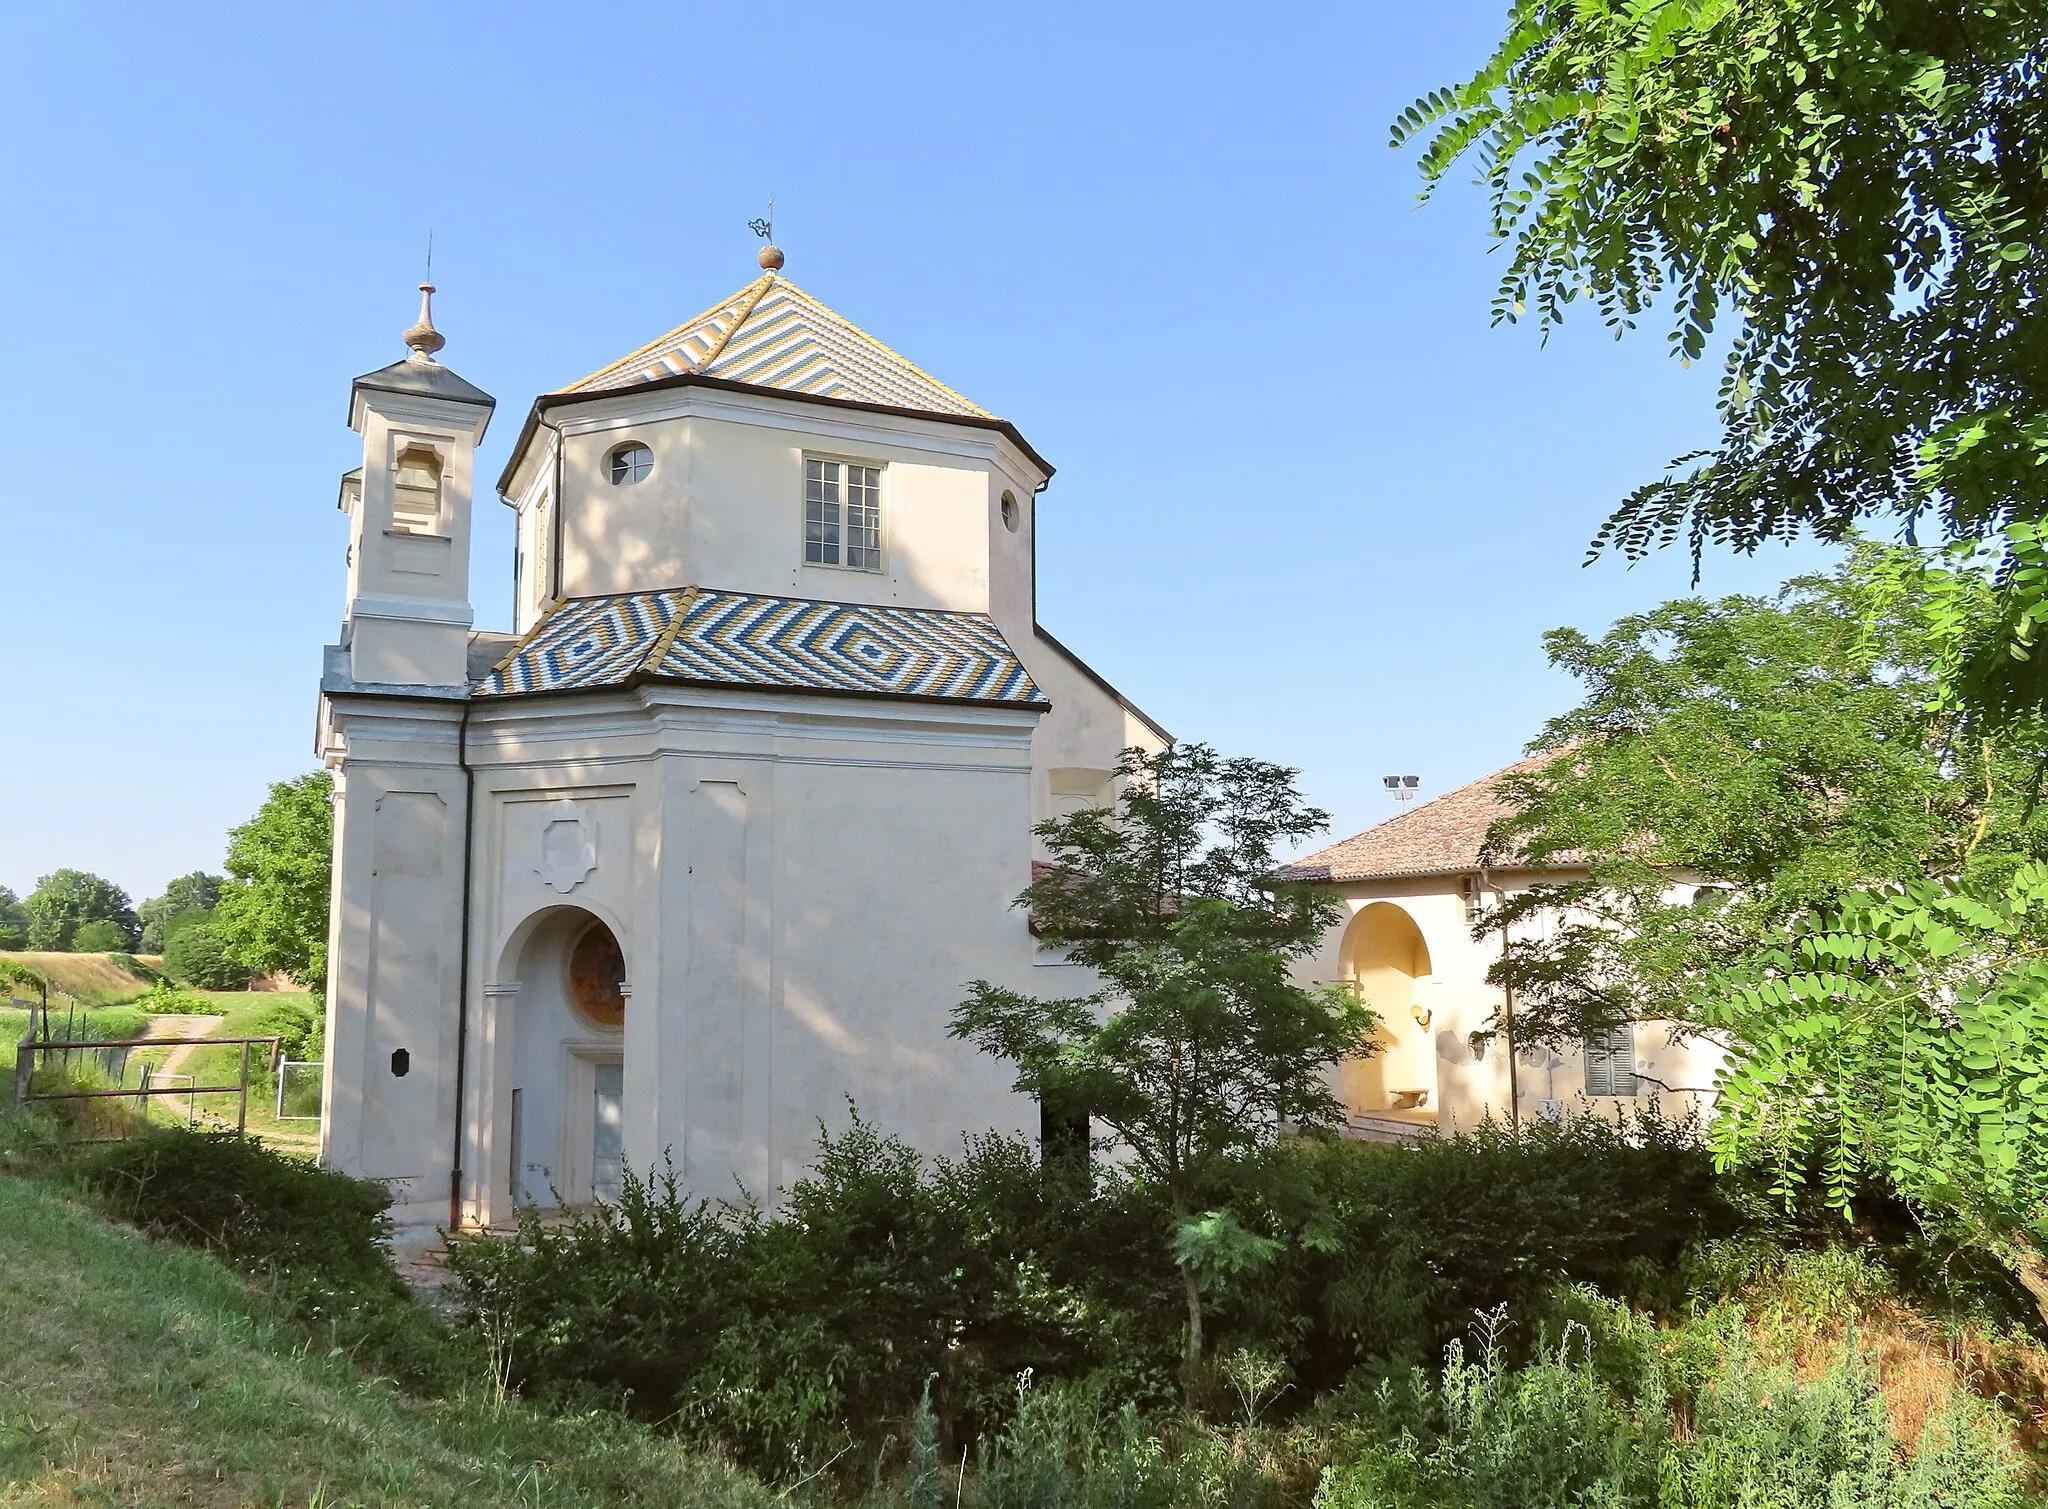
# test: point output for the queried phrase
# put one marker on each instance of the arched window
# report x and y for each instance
(416, 495)
(628, 464)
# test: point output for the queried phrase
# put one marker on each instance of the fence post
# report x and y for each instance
(24, 1069)
(242, 1115)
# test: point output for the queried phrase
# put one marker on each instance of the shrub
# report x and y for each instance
(1389, 1251)
(780, 1338)
(100, 937)
(195, 955)
(299, 1027)
(166, 999)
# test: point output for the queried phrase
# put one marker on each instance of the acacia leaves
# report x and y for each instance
(1905, 1032)
(1854, 187)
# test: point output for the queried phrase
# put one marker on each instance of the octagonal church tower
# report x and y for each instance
(716, 839)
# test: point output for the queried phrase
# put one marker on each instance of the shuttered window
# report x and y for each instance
(1611, 1062)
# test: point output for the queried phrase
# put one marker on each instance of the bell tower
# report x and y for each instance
(409, 617)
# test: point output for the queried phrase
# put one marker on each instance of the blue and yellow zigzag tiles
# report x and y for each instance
(786, 643)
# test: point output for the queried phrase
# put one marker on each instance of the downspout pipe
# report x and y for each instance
(1507, 1011)
(556, 526)
(462, 973)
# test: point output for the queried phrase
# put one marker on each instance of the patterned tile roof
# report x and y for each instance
(1442, 836)
(707, 637)
(773, 334)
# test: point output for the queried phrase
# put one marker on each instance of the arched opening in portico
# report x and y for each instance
(564, 1109)
(1384, 956)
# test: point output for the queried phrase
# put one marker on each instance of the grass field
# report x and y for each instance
(240, 1014)
(90, 979)
(136, 1373)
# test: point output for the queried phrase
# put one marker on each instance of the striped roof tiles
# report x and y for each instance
(741, 639)
(772, 334)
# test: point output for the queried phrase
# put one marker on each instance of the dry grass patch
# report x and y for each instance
(90, 979)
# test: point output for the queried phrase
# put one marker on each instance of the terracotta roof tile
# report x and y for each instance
(1440, 837)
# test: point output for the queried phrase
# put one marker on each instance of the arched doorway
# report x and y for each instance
(566, 1116)
(1384, 955)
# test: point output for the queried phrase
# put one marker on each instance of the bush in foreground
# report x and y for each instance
(791, 1337)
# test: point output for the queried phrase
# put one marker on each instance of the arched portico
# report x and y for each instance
(562, 984)
(1384, 955)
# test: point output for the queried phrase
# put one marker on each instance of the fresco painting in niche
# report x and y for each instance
(597, 978)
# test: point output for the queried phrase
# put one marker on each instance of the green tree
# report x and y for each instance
(196, 892)
(65, 901)
(101, 937)
(1782, 748)
(273, 910)
(1853, 190)
(14, 920)
(1199, 1049)
(195, 955)
(1854, 186)
(1904, 1032)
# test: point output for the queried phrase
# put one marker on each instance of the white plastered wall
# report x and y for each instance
(802, 888)
(1472, 1078)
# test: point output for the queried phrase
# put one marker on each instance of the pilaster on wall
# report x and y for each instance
(395, 962)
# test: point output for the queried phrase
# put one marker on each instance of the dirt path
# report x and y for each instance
(180, 1026)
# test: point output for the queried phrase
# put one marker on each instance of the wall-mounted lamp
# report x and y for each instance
(1422, 1014)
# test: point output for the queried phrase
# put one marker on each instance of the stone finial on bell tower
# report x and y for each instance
(409, 512)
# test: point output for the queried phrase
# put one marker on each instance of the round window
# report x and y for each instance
(597, 977)
(1010, 512)
(629, 463)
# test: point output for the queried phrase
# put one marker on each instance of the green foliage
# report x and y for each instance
(273, 910)
(1587, 1425)
(1387, 1252)
(65, 901)
(1199, 1045)
(316, 1238)
(14, 920)
(196, 892)
(299, 1026)
(1853, 187)
(20, 977)
(166, 999)
(1783, 748)
(884, 1279)
(1905, 1032)
(195, 954)
(100, 937)
(779, 1340)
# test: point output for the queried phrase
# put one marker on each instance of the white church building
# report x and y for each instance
(715, 839)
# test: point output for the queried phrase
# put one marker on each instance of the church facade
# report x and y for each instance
(711, 844)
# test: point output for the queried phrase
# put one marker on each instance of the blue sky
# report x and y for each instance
(1310, 505)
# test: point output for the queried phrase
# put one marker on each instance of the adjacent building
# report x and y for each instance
(1414, 941)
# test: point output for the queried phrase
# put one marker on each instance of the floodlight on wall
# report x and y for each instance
(1401, 787)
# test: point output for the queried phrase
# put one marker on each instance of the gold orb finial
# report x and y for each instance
(424, 339)
(771, 258)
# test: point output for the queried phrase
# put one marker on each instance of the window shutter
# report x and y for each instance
(1611, 1062)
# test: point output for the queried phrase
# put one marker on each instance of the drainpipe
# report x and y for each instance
(1507, 1012)
(462, 1002)
(559, 531)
